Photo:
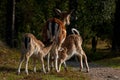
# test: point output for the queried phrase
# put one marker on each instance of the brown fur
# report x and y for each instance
(62, 33)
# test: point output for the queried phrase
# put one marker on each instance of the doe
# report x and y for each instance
(56, 28)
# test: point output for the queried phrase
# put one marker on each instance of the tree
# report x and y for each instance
(95, 19)
(91, 18)
(2, 19)
(10, 22)
(116, 29)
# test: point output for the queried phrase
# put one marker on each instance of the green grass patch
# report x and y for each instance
(111, 62)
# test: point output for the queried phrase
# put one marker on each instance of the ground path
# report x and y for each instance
(98, 72)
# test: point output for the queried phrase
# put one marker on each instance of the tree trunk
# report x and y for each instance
(10, 22)
(116, 29)
(94, 44)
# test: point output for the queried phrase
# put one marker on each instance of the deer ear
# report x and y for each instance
(58, 11)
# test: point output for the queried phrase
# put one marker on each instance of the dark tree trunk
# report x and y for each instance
(10, 22)
(94, 44)
(116, 29)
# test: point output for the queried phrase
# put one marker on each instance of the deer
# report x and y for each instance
(32, 47)
(72, 46)
(55, 27)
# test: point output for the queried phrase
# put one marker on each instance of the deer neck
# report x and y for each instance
(64, 22)
(46, 49)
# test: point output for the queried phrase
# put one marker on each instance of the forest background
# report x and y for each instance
(95, 20)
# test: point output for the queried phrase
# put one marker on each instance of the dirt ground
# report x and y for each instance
(103, 73)
(98, 72)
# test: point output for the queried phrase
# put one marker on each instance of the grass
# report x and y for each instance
(104, 56)
(110, 62)
(9, 60)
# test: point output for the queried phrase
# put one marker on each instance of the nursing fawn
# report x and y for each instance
(72, 46)
(31, 47)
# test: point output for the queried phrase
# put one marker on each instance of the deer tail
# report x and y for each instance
(75, 31)
(26, 41)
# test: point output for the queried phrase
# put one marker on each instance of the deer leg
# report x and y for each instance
(51, 64)
(43, 67)
(56, 60)
(20, 64)
(48, 62)
(86, 62)
(85, 57)
(81, 62)
(59, 66)
(34, 65)
(56, 63)
(26, 67)
(65, 66)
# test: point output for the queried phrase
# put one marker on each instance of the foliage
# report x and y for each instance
(2, 18)
(94, 18)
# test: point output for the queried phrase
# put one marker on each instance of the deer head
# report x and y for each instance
(65, 16)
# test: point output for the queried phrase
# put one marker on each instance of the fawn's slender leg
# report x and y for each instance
(34, 65)
(65, 66)
(20, 64)
(48, 62)
(81, 62)
(43, 67)
(59, 66)
(86, 62)
(85, 57)
(26, 67)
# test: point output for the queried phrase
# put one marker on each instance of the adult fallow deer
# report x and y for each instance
(56, 28)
